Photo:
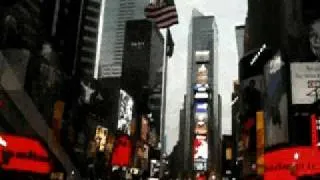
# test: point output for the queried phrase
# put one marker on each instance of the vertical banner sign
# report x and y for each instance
(57, 119)
(260, 142)
(314, 130)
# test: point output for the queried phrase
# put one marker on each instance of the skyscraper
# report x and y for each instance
(202, 87)
(103, 31)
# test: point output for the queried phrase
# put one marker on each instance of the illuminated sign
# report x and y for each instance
(202, 75)
(201, 116)
(202, 107)
(121, 155)
(201, 128)
(290, 163)
(200, 146)
(202, 56)
(200, 164)
(101, 138)
(24, 154)
(201, 87)
(201, 95)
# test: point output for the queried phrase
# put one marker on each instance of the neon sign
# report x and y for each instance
(290, 163)
(24, 154)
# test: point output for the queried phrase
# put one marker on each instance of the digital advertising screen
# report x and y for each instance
(201, 87)
(200, 164)
(126, 104)
(201, 111)
(122, 149)
(101, 138)
(202, 75)
(201, 116)
(200, 146)
(275, 102)
(201, 128)
(202, 56)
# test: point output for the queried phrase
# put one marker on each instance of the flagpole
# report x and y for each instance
(163, 106)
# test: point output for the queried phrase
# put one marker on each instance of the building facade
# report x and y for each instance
(103, 32)
(202, 80)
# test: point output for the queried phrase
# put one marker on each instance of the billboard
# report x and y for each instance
(201, 116)
(202, 75)
(202, 56)
(201, 128)
(101, 138)
(305, 77)
(275, 102)
(200, 164)
(200, 145)
(126, 104)
(201, 87)
(121, 155)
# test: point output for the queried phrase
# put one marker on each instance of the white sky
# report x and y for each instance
(228, 14)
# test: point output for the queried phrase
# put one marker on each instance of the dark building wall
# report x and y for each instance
(140, 60)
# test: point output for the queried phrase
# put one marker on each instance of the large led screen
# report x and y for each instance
(202, 75)
(275, 102)
(125, 112)
(101, 138)
(201, 87)
(200, 146)
(303, 32)
(201, 128)
(121, 155)
(202, 56)
(305, 78)
(200, 164)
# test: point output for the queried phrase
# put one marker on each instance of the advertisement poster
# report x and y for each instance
(201, 128)
(101, 138)
(125, 112)
(202, 75)
(253, 90)
(121, 155)
(275, 102)
(202, 56)
(200, 146)
(305, 78)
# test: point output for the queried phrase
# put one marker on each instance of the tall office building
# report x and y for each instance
(103, 29)
(240, 40)
(202, 95)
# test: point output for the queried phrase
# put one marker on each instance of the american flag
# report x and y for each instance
(163, 13)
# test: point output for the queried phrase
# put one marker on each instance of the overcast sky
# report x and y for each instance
(228, 14)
